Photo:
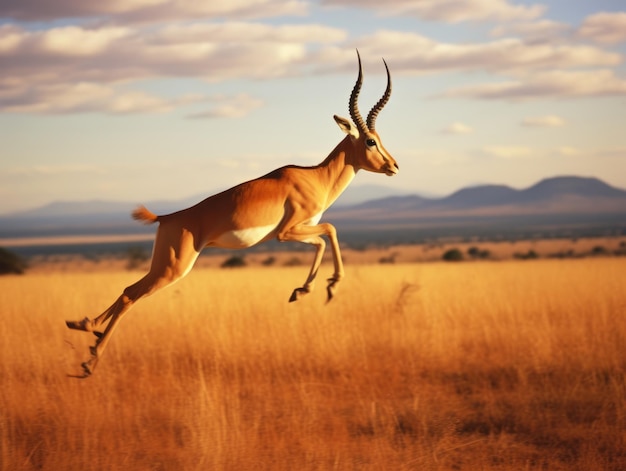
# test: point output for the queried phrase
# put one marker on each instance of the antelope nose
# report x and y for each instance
(392, 169)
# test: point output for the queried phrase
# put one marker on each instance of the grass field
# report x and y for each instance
(508, 365)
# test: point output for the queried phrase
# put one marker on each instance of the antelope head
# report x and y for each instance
(370, 153)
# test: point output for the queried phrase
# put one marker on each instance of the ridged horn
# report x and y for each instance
(371, 117)
(354, 97)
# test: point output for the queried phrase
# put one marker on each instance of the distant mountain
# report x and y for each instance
(99, 207)
(354, 194)
(357, 194)
(561, 202)
(484, 195)
(586, 187)
(569, 194)
(73, 208)
(545, 190)
(397, 202)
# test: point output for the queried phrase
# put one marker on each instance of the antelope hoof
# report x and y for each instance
(84, 324)
(298, 293)
(90, 364)
(86, 369)
(331, 289)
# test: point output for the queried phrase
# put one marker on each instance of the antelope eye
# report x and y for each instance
(370, 142)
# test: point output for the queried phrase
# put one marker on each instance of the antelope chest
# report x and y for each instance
(315, 219)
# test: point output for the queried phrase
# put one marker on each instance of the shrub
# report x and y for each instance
(11, 263)
(269, 261)
(234, 262)
(135, 256)
(391, 258)
(530, 255)
(598, 250)
(563, 254)
(475, 252)
(293, 262)
(452, 255)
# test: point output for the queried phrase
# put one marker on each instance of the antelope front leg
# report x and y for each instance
(310, 281)
(311, 235)
(331, 288)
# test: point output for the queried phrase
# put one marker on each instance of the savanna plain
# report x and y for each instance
(482, 365)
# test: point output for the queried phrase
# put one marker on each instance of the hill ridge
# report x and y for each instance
(566, 201)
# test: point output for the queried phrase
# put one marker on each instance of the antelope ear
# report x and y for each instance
(346, 126)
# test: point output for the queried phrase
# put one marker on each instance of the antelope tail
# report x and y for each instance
(144, 215)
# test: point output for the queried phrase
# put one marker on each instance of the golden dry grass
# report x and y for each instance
(480, 366)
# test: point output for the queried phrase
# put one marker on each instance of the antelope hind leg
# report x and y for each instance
(88, 367)
(84, 325)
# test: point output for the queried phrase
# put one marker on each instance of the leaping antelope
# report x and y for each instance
(286, 204)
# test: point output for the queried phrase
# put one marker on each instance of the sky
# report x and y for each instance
(143, 100)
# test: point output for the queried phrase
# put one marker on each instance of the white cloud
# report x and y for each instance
(413, 53)
(246, 31)
(53, 98)
(75, 69)
(606, 28)
(508, 152)
(229, 107)
(548, 121)
(77, 41)
(568, 151)
(451, 11)
(138, 102)
(10, 38)
(150, 10)
(540, 30)
(457, 128)
(77, 98)
(218, 51)
(66, 69)
(546, 84)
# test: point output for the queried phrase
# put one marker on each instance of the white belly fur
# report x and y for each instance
(315, 219)
(241, 238)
